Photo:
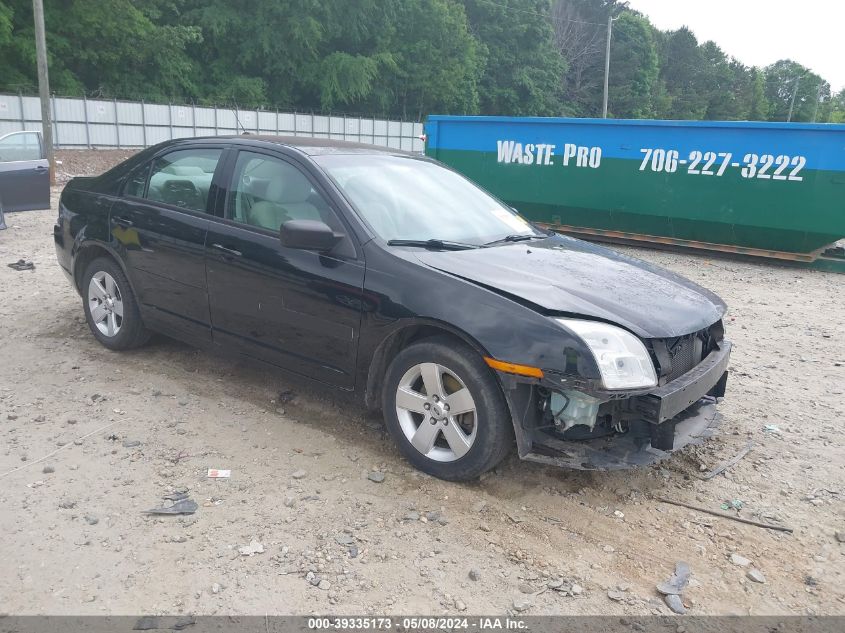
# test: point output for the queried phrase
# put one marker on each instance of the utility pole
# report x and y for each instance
(818, 101)
(44, 85)
(607, 66)
(792, 102)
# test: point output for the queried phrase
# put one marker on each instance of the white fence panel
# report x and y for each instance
(79, 123)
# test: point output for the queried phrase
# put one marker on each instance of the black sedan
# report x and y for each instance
(389, 275)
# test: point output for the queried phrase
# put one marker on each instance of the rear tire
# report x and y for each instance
(445, 410)
(111, 309)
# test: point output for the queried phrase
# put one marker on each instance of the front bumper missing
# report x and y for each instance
(631, 449)
(668, 418)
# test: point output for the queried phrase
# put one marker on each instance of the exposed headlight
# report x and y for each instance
(622, 358)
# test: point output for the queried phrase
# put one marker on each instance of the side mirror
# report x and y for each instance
(308, 235)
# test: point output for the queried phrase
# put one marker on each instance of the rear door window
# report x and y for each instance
(183, 178)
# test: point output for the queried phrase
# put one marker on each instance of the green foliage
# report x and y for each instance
(404, 58)
(837, 108)
(634, 68)
(523, 70)
(789, 85)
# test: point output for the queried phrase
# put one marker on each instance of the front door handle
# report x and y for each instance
(122, 222)
(230, 251)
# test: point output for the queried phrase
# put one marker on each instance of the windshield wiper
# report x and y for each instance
(445, 245)
(518, 237)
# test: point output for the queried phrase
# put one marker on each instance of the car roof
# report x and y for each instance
(316, 146)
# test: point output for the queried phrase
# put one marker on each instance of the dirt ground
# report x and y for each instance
(121, 430)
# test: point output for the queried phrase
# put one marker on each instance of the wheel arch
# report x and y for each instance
(87, 252)
(399, 338)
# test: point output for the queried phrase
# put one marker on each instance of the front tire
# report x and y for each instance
(445, 410)
(111, 309)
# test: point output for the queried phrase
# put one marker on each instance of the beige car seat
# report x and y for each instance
(286, 199)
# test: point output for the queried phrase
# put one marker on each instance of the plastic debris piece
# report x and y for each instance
(674, 602)
(677, 582)
(22, 264)
(184, 506)
(216, 473)
(252, 549)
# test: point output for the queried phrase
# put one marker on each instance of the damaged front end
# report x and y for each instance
(565, 420)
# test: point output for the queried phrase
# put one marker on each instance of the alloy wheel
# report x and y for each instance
(105, 303)
(436, 412)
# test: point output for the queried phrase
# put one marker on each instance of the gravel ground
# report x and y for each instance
(302, 527)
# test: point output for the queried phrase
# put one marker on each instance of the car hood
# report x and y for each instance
(568, 277)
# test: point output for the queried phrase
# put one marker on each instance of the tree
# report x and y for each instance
(113, 50)
(837, 108)
(581, 37)
(681, 64)
(437, 62)
(634, 69)
(758, 105)
(522, 70)
(786, 78)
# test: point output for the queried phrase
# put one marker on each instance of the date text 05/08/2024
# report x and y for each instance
(697, 163)
(416, 623)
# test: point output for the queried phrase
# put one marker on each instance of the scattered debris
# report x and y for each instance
(48, 469)
(176, 495)
(131, 443)
(184, 506)
(299, 474)
(91, 520)
(616, 595)
(769, 526)
(22, 264)
(736, 504)
(376, 476)
(771, 428)
(215, 473)
(252, 549)
(736, 559)
(729, 463)
(840, 536)
(521, 603)
(674, 602)
(756, 575)
(677, 582)
(474, 574)
(76, 442)
(344, 539)
(285, 396)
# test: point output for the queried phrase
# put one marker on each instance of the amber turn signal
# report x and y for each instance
(512, 368)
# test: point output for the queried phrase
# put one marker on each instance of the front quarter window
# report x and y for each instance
(136, 184)
(406, 198)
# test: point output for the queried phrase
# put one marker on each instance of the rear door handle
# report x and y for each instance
(122, 222)
(40, 168)
(230, 251)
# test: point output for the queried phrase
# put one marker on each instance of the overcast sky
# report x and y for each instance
(759, 32)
